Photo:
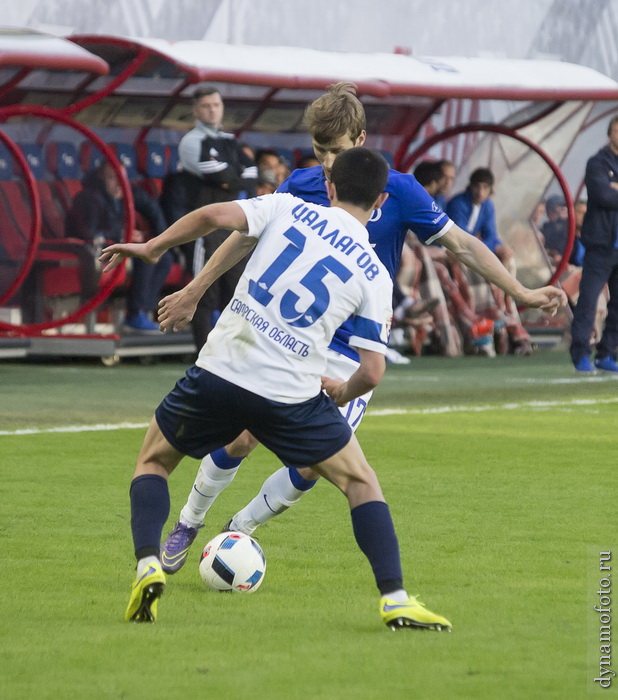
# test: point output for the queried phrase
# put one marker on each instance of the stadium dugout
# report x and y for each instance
(528, 120)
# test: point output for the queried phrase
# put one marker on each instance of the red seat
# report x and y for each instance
(52, 212)
(63, 163)
(16, 222)
(152, 164)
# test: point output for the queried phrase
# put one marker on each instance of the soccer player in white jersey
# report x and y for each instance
(262, 367)
(336, 122)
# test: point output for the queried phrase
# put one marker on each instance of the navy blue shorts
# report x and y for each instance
(204, 412)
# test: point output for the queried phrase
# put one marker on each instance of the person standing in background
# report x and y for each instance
(225, 171)
(600, 264)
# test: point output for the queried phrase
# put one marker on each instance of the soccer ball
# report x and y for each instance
(233, 561)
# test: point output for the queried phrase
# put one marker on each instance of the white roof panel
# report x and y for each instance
(384, 74)
(29, 49)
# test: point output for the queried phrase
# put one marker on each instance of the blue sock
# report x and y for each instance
(150, 508)
(222, 459)
(299, 482)
(375, 534)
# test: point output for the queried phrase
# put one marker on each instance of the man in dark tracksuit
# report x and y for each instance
(224, 171)
(600, 267)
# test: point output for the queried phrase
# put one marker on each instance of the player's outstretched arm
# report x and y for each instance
(367, 377)
(477, 256)
(198, 223)
(176, 310)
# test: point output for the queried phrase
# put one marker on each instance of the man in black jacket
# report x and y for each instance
(600, 266)
(97, 216)
(216, 159)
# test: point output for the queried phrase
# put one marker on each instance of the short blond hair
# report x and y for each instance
(337, 113)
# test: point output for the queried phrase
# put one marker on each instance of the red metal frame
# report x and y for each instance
(108, 153)
(130, 70)
(35, 226)
(15, 80)
(506, 131)
(103, 40)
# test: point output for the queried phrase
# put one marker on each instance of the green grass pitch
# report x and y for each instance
(500, 475)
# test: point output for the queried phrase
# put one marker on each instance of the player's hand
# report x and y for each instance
(114, 254)
(335, 389)
(176, 311)
(548, 299)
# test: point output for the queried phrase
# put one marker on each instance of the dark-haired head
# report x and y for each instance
(483, 175)
(204, 91)
(359, 175)
(428, 172)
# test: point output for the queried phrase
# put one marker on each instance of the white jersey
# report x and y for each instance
(312, 269)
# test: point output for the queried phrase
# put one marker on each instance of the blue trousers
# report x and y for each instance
(599, 268)
(146, 283)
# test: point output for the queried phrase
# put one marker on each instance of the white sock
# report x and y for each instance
(276, 496)
(210, 481)
(144, 563)
(399, 596)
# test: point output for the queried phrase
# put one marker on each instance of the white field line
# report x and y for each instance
(74, 428)
(534, 405)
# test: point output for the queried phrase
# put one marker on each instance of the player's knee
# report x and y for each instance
(152, 466)
(357, 476)
(307, 473)
(244, 444)
(363, 486)
(364, 474)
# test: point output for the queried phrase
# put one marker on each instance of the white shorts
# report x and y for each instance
(339, 366)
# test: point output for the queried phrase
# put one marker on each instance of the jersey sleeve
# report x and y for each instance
(371, 325)
(189, 153)
(419, 211)
(261, 211)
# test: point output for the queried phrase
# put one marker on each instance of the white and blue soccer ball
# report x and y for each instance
(233, 561)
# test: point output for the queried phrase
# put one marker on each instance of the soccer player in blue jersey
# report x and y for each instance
(262, 366)
(336, 122)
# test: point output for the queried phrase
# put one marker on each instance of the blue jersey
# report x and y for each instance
(408, 208)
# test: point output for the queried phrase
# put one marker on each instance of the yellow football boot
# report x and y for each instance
(145, 593)
(412, 613)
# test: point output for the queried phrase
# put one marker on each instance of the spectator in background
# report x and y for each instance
(474, 211)
(307, 161)
(269, 159)
(580, 208)
(211, 154)
(600, 264)
(556, 230)
(97, 216)
(453, 314)
(225, 170)
(266, 182)
(446, 182)
(429, 174)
